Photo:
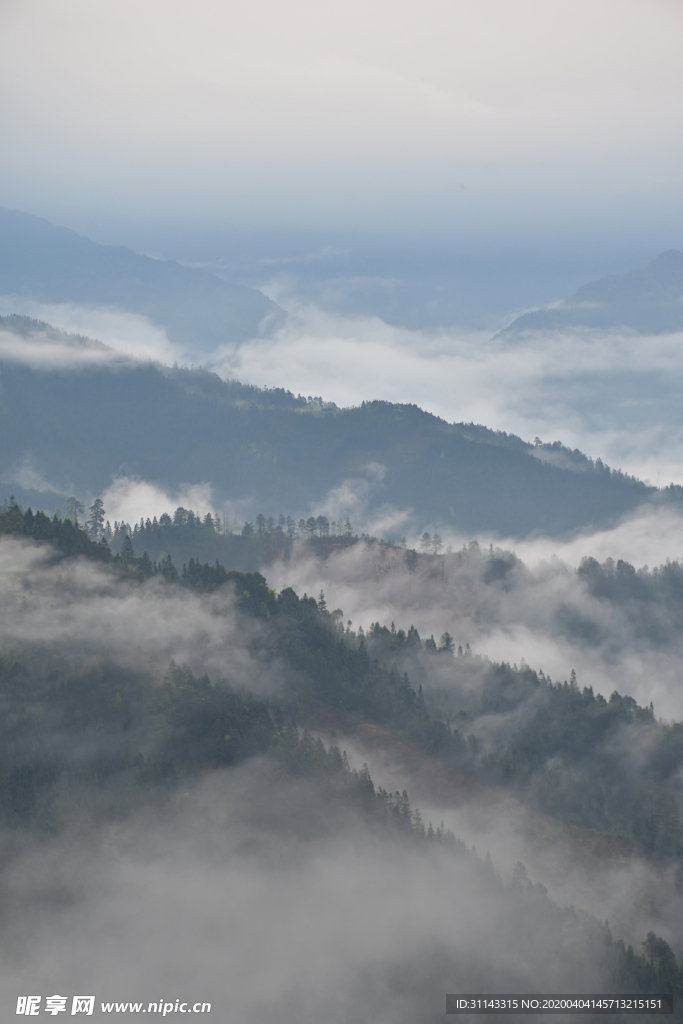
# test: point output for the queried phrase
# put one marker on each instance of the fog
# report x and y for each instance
(245, 888)
(44, 349)
(128, 500)
(632, 892)
(535, 610)
(123, 333)
(613, 395)
(251, 889)
(610, 394)
(220, 900)
(84, 611)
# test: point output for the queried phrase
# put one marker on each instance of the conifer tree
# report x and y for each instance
(76, 508)
(96, 519)
(127, 553)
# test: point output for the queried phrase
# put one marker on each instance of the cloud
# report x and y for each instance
(123, 334)
(130, 500)
(218, 899)
(610, 394)
(649, 536)
(360, 499)
(43, 349)
(28, 477)
(245, 888)
(82, 610)
(539, 610)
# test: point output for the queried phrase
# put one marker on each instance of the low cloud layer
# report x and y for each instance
(124, 334)
(243, 888)
(617, 396)
(614, 396)
(81, 607)
(221, 901)
(537, 609)
(129, 500)
(42, 349)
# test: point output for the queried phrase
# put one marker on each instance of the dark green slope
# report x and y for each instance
(198, 310)
(79, 430)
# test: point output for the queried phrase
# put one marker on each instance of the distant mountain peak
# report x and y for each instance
(197, 310)
(671, 257)
(648, 300)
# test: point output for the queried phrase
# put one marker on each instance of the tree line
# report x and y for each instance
(74, 724)
(567, 755)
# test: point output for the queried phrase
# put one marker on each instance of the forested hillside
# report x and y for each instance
(272, 451)
(566, 750)
(101, 727)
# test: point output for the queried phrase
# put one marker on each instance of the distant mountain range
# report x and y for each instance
(648, 300)
(197, 310)
(200, 311)
(277, 453)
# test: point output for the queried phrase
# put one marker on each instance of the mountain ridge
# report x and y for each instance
(198, 310)
(275, 452)
(648, 300)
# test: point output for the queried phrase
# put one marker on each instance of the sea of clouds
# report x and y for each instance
(612, 394)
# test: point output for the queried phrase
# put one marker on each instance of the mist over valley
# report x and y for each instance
(341, 509)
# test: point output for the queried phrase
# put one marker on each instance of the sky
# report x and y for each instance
(451, 162)
(556, 119)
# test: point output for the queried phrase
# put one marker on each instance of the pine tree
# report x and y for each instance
(127, 553)
(96, 519)
(145, 568)
(76, 508)
(446, 643)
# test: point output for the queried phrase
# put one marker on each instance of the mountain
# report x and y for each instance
(277, 453)
(130, 779)
(647, 300)
(198, 310)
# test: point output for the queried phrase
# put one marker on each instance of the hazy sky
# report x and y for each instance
(479, 117)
